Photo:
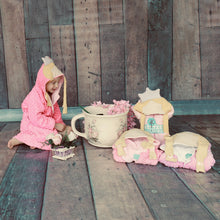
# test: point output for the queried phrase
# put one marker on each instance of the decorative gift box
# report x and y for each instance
(153, 112)
(62, 147)
(63, 153)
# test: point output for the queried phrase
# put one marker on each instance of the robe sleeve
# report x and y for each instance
(35, 110)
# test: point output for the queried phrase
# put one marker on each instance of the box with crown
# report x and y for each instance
(153, 112)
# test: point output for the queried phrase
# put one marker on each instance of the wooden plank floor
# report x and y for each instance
(91, 185)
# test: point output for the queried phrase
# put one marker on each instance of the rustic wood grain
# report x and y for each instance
(15, 51)
(209, 13)
(60, 12)
(136, 25)
(37, 36)
(210, 46)
(3, 82)
(160, 46)
(160, 67)
(115, 194)
(166, 194)
(112, 62)
(36, 19)
(148, 52)
(22, 187)
(36, 49)
(63, 53)
(6, 154)
(2, 125)
(196, 107)
(67, 192)
(87, 51)
(186, 80)
(110, 12)
(60, 15)
(206, 188)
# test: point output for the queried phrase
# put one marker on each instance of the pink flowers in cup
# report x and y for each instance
(119, 107)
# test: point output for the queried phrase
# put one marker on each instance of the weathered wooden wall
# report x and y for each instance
(112, 49)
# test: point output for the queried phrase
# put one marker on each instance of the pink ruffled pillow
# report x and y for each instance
(136, 146)
(208, 162)
(187, 150)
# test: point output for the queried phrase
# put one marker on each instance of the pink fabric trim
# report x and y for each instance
(209, 162)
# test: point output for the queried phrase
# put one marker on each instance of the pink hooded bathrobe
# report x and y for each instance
(40, 112)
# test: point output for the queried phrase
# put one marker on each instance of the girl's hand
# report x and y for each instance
(60, 127)
(67, 130)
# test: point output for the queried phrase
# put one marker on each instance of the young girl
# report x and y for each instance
(41, 113)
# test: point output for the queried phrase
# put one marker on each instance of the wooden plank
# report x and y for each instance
(60, 12)
(136, 27)
(110, 12)
(115, 193)
(36, 49)
(67, 192)
(160, 53)
(3, 81)
(63, 45)
(112, 62)
(6, 154)
(12, 115)
(186, 81)
(196, 107)
(166, 194)
(209, 13)
(206, 188)
(15, 51)
(87, 51)
(112, 39)
(160, 67)
(36, 19)
(63, 53)
(210, 46)
(159, 15)
(37, 36)
(2, 125)
(22, 187)
(210, 41)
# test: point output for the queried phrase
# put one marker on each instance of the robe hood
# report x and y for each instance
(46, 73)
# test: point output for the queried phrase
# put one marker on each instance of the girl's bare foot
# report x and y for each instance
(32, 148)
(13, 142)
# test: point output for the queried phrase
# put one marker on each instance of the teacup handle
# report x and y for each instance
(73, 125)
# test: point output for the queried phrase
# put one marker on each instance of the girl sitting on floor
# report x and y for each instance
(41, 112)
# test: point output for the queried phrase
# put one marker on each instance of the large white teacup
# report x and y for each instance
(101, 129)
